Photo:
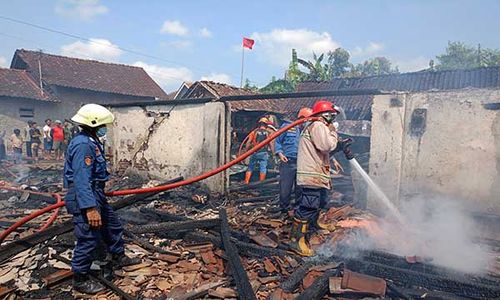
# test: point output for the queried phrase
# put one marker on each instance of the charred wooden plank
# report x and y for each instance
(319, 288)
(247, 249)
(244, 288)
(253, 185)
(176, 226)
(254, 199)
(443, 283)
(57, 277)
(147, 245)
(400, 262)
(293, 281)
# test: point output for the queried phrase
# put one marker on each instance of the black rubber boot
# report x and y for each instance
(121, 260)
(107, 271)
(83, 284)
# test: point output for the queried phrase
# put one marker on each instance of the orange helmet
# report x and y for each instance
(322, 106)
(304, 112)
(265, 121)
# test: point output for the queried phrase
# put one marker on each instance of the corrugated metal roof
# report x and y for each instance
(357, 107)
(485, 77)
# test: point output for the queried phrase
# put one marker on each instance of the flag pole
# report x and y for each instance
(242, 64)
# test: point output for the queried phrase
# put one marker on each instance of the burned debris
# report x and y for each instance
(227, 247)
(206, 235)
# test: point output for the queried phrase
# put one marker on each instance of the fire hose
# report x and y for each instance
(159, 188)
(35, 214)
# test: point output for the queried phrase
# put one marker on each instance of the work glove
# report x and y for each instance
(346, 148)
(344, 145)
(341, 144)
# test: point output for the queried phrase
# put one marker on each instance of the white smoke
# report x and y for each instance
(439, 230)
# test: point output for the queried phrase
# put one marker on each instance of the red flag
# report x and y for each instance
(248, 43)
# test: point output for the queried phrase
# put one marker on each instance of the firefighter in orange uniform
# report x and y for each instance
(261, 157)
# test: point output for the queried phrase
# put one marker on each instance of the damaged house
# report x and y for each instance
(39, 86)
(217, 240)
(410, 108)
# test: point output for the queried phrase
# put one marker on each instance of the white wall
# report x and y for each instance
(458, 154)
(190, 141)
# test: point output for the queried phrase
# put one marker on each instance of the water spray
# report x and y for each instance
(376, 189)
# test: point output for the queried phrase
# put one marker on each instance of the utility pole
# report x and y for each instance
(40, 70)
(242, 64)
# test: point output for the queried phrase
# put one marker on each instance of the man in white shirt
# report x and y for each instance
(47, 139)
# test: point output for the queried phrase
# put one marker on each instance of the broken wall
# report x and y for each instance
(438, 143)
(169, 141)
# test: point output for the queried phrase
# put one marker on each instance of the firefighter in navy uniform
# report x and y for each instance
(287, 147)
(85, 175)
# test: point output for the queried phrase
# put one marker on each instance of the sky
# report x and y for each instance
(176, 41)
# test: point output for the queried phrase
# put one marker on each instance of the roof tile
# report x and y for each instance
(88, 74)
(18, 84)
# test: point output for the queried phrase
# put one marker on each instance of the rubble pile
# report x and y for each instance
(194, 244)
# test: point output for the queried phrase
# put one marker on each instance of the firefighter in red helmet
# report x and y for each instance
(317, 141)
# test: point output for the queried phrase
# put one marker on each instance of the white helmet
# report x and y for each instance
(93, 115)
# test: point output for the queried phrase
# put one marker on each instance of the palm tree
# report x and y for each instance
(317, 71)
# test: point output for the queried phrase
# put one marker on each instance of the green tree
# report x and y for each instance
(249, 86)
(294, 74)
(317, 71)
(459, 55)
(375, 66)
(278, 86)
(338, 63)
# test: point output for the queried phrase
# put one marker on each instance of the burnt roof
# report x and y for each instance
(484, 77)
(19, 84)
(88, 74)
(215, 89)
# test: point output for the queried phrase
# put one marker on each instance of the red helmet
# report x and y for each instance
(322, 106)
(304, 112)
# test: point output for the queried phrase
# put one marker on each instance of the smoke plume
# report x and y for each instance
(438, 229)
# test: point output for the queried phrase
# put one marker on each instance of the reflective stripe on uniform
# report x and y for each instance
(313, 174)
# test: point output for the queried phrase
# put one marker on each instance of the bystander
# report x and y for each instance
(16, 141)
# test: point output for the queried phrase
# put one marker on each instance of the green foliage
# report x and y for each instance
(278, 86)
(250, 86)
(375, 66)
(459, 55)
(338, 63)
(294, 74)
(317, 71)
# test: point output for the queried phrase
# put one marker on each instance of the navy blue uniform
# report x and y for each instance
(288, 144)
(85, 174)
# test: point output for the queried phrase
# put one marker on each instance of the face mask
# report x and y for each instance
(102, 131)
(329, 117)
